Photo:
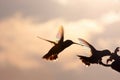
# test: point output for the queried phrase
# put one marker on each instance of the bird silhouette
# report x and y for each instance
(96, 55)
(58, 46)
(114, 55)
(115, 65)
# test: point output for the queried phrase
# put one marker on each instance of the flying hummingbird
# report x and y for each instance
(115, 65)
(96, 55)
(58, 46)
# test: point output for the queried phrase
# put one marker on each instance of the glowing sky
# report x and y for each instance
(21, 22)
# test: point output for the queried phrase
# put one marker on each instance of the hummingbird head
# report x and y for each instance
(116, 50)
(70, 42)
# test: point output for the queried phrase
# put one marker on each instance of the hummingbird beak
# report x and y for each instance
(77, 43)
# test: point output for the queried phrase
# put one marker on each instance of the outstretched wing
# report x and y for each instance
(87, 44)
(60, 35)
(47, 40)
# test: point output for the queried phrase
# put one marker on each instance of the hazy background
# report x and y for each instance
(97, 21)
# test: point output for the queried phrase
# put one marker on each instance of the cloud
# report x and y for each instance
(45, 10)
(21, 52)
(62, 2)
(110, 34)
(24, 50)
(18, 36)
(110, 17)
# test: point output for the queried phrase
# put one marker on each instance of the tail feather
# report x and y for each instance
(84, 59)
(50, 57)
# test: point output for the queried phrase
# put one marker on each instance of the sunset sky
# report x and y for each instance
(21, 21)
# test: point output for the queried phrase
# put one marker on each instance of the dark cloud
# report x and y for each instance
(48, 9)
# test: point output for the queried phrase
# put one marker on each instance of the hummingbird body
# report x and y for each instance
(96, 56)
(55, 50)
(116, 63)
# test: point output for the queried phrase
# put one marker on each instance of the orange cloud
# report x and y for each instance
(24, 44)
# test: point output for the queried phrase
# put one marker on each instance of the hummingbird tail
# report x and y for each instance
(51, 57)
(84, 59)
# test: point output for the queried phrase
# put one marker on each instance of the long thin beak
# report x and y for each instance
(77, 43)
(40, 38)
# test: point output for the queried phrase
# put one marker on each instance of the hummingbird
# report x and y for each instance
(114, 55)
(115, 65)
(96, 55)
(58, 46)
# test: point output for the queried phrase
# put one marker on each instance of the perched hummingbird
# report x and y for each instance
(114, 56)
(58, 47)
(115, 65)
(96, 55)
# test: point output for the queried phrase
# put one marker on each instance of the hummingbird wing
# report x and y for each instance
(60, 35)
(87, 44)
(116, 50)
(47, 40)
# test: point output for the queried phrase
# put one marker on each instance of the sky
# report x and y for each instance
(96, 21)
